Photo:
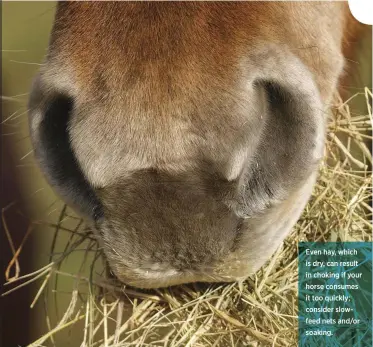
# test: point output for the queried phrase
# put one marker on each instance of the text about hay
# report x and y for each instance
(335, 294)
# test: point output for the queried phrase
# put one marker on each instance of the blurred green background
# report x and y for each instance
(25, 32)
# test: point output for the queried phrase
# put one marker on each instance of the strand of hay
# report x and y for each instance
(261, 311)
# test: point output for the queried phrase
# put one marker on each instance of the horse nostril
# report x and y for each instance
(50, 118)
(239, 232)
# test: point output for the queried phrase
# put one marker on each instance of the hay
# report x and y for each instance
(260, 311)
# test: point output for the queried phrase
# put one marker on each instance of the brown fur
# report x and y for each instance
(188, 133)
(354, 33)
